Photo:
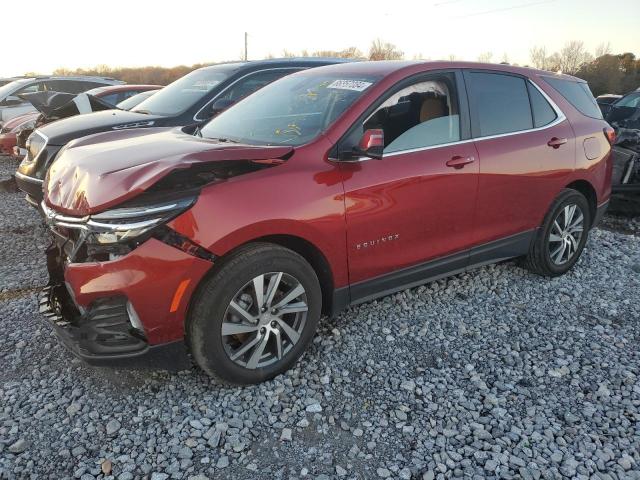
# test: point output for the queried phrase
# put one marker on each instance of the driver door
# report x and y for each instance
(410, 215)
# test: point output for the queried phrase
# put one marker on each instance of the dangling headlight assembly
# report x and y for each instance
(113, 233)
(123, 225)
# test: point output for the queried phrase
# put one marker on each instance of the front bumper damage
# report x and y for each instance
(113, 314)
(103, 336)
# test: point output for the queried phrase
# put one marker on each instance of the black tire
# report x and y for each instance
(539, 259)
(212, 301)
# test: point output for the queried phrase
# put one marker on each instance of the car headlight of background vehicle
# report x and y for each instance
(27, 124)
(35, 144)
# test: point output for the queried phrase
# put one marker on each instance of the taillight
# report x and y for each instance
(610, 133)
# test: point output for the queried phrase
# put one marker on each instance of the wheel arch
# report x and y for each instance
(303, 247)
(312, 254)
(586, 189)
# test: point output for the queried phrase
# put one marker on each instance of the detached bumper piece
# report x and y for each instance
(103, 335)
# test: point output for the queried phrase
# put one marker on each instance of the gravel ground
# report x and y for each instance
(495, 373)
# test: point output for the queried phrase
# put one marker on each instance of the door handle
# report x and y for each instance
(459, 162)
(556, 142)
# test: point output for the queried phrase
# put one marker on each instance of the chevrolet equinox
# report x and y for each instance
(327, 188)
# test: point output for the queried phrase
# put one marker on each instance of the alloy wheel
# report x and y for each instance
(565, 234)
(264, 320)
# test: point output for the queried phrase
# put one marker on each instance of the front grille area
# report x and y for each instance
(104, 328)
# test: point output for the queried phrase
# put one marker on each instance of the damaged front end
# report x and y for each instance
(108, 330)
(625, 120)
(626, 161)
(120, 277)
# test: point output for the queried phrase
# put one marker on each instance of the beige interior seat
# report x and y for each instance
(433, 107)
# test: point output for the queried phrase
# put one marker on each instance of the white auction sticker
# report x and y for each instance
(356, 85)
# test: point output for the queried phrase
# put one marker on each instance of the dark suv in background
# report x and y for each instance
(190, 100)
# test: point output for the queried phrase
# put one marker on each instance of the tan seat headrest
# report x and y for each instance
(432, 107)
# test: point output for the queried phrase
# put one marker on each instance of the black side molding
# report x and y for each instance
(496, 251)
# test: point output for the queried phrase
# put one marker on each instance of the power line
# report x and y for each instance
(504, 9)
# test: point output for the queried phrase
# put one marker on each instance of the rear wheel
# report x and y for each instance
(561, 238)
(254, 317)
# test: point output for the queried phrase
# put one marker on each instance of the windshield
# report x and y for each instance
(632, 101)
(178, 96)
(291, 111)
(131, 102)
(9, 88)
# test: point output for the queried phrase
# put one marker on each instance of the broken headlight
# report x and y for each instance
(109, 235)
(122, 225)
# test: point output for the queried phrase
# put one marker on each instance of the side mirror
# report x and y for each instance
(220, 106)
(371, 144)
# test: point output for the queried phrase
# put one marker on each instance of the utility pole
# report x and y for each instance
(245, 46)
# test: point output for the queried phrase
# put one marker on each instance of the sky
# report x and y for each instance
(118, 33)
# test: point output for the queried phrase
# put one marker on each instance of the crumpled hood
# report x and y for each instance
(98, 172)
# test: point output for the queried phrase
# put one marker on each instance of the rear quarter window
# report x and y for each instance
(543, 113)
(577, 94)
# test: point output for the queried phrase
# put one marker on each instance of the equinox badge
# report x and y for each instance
(377, 241)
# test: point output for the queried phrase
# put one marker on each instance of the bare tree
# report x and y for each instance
(539, 59)
(384, 51)
(350, 52)
(485, 57)
(603, 49)
(505, 58)
(452, 57)
(572, 56)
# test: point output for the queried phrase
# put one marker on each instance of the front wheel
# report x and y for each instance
(254, 317)
(561, 238)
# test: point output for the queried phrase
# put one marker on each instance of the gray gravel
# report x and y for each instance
(495, 373)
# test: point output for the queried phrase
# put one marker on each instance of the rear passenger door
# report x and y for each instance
(526, 151)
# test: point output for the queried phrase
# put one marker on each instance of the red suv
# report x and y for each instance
(327, 188)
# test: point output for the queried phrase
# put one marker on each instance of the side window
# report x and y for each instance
(32, 88)
(499, 103)
(113, 98)
(632, 101)
(577, 94)
(543, 113)
(253, 82)
(421, 115)
(65, 86)
(128, 94)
